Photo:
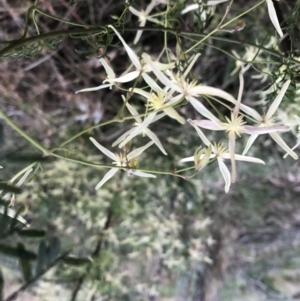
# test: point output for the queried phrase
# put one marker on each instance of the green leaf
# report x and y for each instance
(42, 257)
(7, 187)
(53, 249)
(18, 252)
(35, 233)
(25, 265)
(76, 261)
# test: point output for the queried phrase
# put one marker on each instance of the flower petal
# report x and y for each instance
(155, 139)
(104, 150)
(152, 84)
(133, 57)
(259, 130)
(225, 173)
(200, 133)
(273, 17)
(250, 141)
(171, 112)
(243, 158)
(94, 89)
(188, 159)
(208, 124)
(202, 109)
(142, 174)
(128, 77)
(135, 153)
(110, 72)
(274, 106)
(283, 145)
(139, 129)
(107, 176)
(122, 137)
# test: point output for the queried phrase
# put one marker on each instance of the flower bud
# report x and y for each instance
(201, 157)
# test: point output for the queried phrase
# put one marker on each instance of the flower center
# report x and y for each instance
(234, 126)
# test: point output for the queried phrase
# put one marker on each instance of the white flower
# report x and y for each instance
(220, 153)
(267, 120)
(141, 68)
(124, 160)
(143, 16)
(139, 128)
(188, 89)
(273, 17)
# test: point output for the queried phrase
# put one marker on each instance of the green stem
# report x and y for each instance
(224, 25)
(22, 133)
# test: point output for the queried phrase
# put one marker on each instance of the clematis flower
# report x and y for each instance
(141, 67)
(273, 17)
(188, 89)
(220, 153)
(125, 160)
(267, 121)
(235, 126)
(143, 16)
(130, 134)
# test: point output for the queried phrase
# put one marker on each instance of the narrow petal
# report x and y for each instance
(128, 77)
(259, 130)
(152, 84)
(135, 153)
(190, 8)
(142, 174)
(139, 129)
(251, 112)
(104, 150)
(95, 88)
(171, 112)
(273, 17)
(274, 106)
(208, 124)
(191, 64)
(133, 112)
(225, 173)
(250, 141)
(155, 139)
(122, 137)
(163, 79)
(243, 158)
(188, 159)
(200, 133)
(110, 72)
(138, 35)
(133, 57)
(134, 11)
(297, 144)
(206, 90)
(107, 176)
(202, 109)
(283, 145)
(146, 94)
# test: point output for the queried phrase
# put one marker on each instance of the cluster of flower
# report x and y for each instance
(167, 89)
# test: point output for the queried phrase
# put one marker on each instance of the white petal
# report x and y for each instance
(142, 174)
(273, 17)
(135, 153)
(104, 150)
(133, 112)
(208, 124)
(231, 146)
(215, 2)
(225, 173)
(202, 109)
(250, 141)
(110, 72)
(122, 137)
(163, 79)
(138, 35)
(206, 90)
(95, 88)
(146, 94)
(128, 77)
(190, 8)
(139, 129)
(297, 144)
(23, 179)
(171, 112)
(155, 139)
(133, 57)
(152, 84)
(134, 11)
(259, 130)
(12, 213)
(191, 64)
(188, 159)
(279, 141)
(274, 106)
(243, 158)
(107, 176)
(201, 135)
(251, 112)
